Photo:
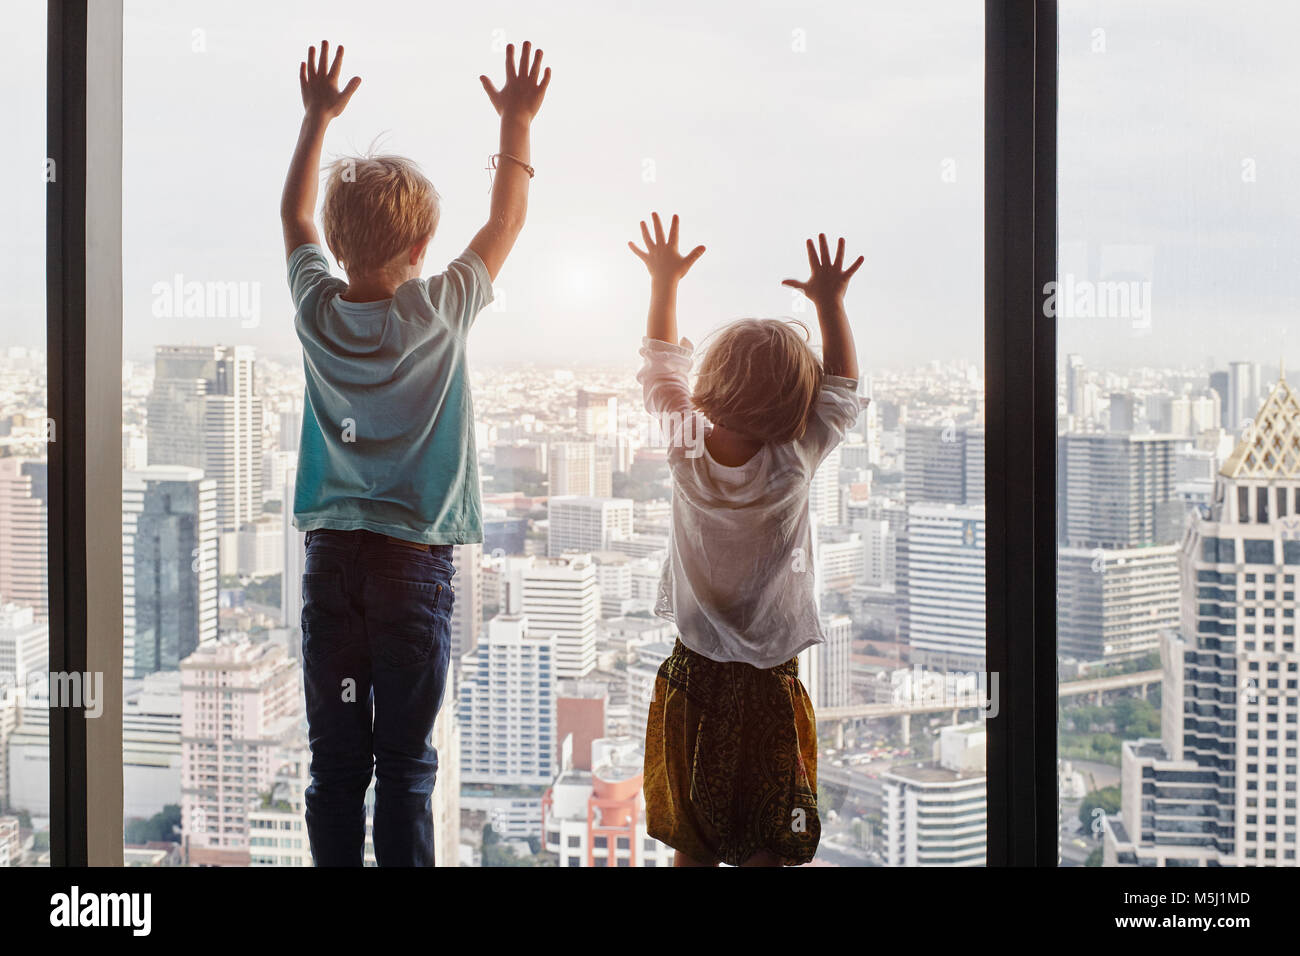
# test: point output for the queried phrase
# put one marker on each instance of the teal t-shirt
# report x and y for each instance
(388, 423)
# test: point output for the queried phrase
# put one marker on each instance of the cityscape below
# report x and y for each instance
(1179, 542)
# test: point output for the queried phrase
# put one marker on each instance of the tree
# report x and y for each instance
(1106, 799)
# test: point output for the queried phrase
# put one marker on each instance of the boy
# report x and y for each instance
(387, 477)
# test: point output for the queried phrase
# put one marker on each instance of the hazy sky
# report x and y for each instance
(759, 126)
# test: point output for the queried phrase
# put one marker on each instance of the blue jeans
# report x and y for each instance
(376, 645)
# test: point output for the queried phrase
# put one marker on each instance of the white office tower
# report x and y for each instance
(169, 566)
(879, 546)
(826, 669)
(840, 562)
(579, 523)
(446, 785)
(507, 706)
(596, 817)
(1243, 395)
(1118, 491)
(945, 549)
(561, 599)
(241, 704)
(29, 752)
(276, 464)
(151, 744)
(294, 544)
(467, 609)
(1113, 604)
(935, 813)
(824, 492)
(579, 468)
(1194, 471)
(24, 647)
(260, 548)
(597, 413)
(1219, 787)
(204, 412)
(24, 577)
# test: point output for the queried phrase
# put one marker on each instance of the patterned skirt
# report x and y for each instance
(731, 761)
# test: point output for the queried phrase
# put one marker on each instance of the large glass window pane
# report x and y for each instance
(761, 127)
(1178, 431)
(25, 432)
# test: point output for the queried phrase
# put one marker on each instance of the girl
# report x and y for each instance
(731, 740)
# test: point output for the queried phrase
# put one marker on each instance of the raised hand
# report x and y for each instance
(829, 278)
(320, 83)
(524, 89)
(661, 256)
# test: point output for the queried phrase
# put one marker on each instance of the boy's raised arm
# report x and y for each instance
(517, 102)
(825, 287)
(322, 101)
(667, 267)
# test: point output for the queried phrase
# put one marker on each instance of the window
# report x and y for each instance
(26, 429)
(1172, 348)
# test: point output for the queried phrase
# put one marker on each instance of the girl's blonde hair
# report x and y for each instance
(375, 208)
(760, 378)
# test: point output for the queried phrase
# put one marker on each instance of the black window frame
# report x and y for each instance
(1020, 432)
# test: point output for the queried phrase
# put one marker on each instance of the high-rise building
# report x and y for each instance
(824, 499)
(294, 544)
(241, 705)
(597, 412)
(24, 645)
(579, 523)
(826, 669)
(1118, 491)
(943, 464)
(579, 468)
(204, 412)
(1113, 603)
(936, 813)
(1074, 379)
(169, 566)
(24, 575)
(1123, 413)
(151, 744)
(1219, 787)
(946, 586)
(1243, 395)
(467, 609)
(507, 706)
(561, 599)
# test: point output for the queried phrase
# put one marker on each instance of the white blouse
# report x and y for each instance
(738, 580)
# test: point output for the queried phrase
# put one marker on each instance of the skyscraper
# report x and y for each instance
(943, 464)
(507, 705)
(936, 813)
(579, 468)
(24, 575)
(561, 599)
(1118, 491)
(578, 523)
(467, 609)
(169, 566)
(1219, 787)
(946, 586)
(1113, 603)
(204, 412)
(241, 706)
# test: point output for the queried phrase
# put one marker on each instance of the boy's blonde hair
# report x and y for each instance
(375, 208)
(760, 378)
